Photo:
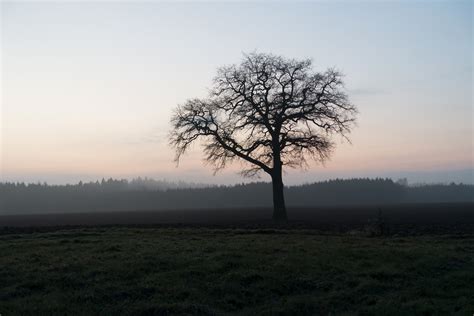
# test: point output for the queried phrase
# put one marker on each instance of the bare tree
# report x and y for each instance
(268, 112)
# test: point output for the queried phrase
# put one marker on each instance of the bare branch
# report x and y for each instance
(267, 112)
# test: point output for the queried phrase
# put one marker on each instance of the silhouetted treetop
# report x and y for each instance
(266, 106)
(268, 112)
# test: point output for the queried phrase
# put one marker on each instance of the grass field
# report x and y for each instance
(199, 271)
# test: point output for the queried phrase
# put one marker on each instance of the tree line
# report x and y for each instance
(123, 195)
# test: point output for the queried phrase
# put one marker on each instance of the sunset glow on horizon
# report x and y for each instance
(88, 88)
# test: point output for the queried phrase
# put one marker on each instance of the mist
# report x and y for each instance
(236, 158)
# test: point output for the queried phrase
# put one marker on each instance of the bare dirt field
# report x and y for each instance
(445, 218)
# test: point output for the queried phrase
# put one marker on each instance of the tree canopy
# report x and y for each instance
(268, 112)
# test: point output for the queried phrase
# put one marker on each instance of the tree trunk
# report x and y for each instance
(279, 208)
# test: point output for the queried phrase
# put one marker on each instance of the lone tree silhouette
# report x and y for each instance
(268, 112)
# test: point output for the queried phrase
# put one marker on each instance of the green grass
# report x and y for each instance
(133, 271)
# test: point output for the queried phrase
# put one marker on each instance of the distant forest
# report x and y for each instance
(147, 194)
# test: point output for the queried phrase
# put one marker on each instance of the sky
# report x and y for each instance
(88, 88)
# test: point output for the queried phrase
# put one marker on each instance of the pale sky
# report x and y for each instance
(88, 87)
